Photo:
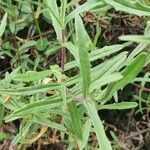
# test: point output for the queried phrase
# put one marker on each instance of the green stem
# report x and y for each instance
(1, 114)
(38, 27)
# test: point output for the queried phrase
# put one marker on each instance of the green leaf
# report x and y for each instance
(31, 90)
(27, 45)
(75, 119)
(3, 24)
(108, 67)
(136, 8)
(106, 79)
(26, 7)
(83, 40)
(25, 129)
(1, 114)
(46, 15)
(120, 106)
(72, 49)
(94, 54)
(32, 75)
(50, 124)
(103, 141)
(11, 10)
(12, 27)
(107, 51)
(9, 77)
(129, 73)
(84, 7)
(136, 38)
(55, 17)
(141, 47)
(115, 138)
(86, 134)
(42, 44)
(3, 136)
(35, 107)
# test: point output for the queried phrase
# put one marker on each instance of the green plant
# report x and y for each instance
(38, 98)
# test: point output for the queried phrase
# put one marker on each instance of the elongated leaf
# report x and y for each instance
(32, 75)
(25, 128)
(3, 24)
(103, 141)
(85, 7)
(73, 49)
(83, 41)
(129, 73)
(120, 106)
(9, 11)
(27, 45)
(8, 78)
(63, 10)
(26, 7)
(135, 52)
(75, 119)
(136, 8)
(54, 13)
(136, 38)
(108, 67)
(50, 124)
(86, 134)
(115, 138)
(30, 90)
(104, 69)
(95, 54)
(34, 107)
(82, 37)
(106, 79)
(106, 51)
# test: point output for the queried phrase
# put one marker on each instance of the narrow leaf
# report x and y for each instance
(105, 80)
(30, 90)
(50, 124)
(84, 7)
(129, 73)
(75, 119)
(3, 24)
(83, 40)
(32, 75)
(136, 38)
(25, 128)
(103, 141)
(34, 107)
(120, 106)
(136, 8)
(108, 67)
(27, 45)
(107, 51)
(86, 134)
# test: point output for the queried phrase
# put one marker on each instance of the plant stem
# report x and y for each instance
(141, 87)
(63, 51)
(38, 28)
(1, 114)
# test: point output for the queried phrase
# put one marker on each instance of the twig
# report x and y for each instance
(136, 134)
(43, 34)
(141, 87)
